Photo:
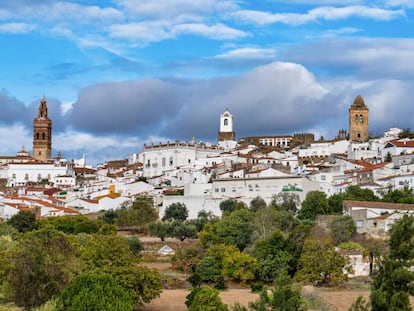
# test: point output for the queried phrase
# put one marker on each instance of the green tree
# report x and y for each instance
(320, 264)
(404, 196)
(314, 204)
(203, 218)
(109, 216)
(160, 229)
(228, 206)
(285, 201)
(94, 292)
(235, 229)
(402, 239)
(265, 221)
(343, 229)
(135, 244)
(205, 299)
(140, 213)
(393, 281)
(360, 305)
(355, 192)
(282, 297)
(42, 264)
(335, 203)
(23, 221)
(182, 231)
(176, 211)
(257, 203)
(406, 133)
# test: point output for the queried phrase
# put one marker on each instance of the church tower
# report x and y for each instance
(226, 127)
(358, 121)
(42, 134)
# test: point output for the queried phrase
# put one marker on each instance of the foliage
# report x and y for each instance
(406, 133)
(7, 229)
(202, 219)
(70, 224)
(209, 271)
(140, 213)
(350, 246)
(294, 244)
(285, 201)
(182, 231)
(355, 192)
(205, 299)
(314, 204)
(265, 221)
(283, 297)
(257, 203)
(228, 206)
(187, 260)
(97, 251)
(42, 264)
(135, 244)
(402, 239)
(392, 284)
(141, 283)
(360, 305)
(94, 292)
(176, 211)
(159, 229)
(273, 259)
(335, 202)
(343, 229)
(235, 229)
(404, 196)
(320, 264)
(23, 221)
(393, 281)
(109, 216)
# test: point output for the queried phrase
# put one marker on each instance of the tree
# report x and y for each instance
(393, 281)
(235, 229)
(335, 203)
(285, 201)
(159, 229)
(176, 211)
(257, 203)
(314, 204)
(343, 229)
(205, 299)
(360, 305)
(23, 221)
(182, 231)
(355, 192)
(228, 206)
(320, 264)
(402, 239)
(404, 196)
(283, 297)
(42, 264)
(94, 292)
(203, 218)
(140, 213)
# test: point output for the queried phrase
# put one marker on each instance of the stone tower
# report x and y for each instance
(358, 121)
(226, 127)
(42, 134)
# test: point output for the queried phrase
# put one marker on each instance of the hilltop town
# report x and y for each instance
(203, 174)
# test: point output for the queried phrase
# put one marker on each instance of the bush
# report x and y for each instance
(94, 292)
(205, 299)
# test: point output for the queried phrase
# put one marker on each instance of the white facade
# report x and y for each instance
(159, 158)
(226, 122)
(324, 149)
(19, 174)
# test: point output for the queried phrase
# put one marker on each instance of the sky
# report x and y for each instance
(120, 73)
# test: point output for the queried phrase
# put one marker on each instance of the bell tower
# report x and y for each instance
(358, 121)
(42, 134)
(226, 127)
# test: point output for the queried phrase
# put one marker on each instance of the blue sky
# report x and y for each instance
(120, 73)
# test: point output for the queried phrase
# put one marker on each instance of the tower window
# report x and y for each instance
(226, 122)
(43, 135)
(356, 118)
(361, 118)
(37, 135)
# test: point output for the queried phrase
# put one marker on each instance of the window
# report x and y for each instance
(226, 122)
(360, 223)
(163, 162)
(216, 190)
(356, 118)
(361, 118)
(223, 189)
(43, 136)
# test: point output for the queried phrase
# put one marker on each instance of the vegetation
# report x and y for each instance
(205, 299)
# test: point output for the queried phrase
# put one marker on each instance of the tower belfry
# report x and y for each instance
(226, 127)
(42, 134)
(358, 120)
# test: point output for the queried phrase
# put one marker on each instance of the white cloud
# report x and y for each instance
(16, 28)
(22, 137)
(248, 53)
(321, 13)
(218, 31)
